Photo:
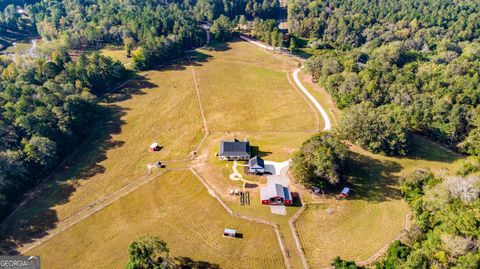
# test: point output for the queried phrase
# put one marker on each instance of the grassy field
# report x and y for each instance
(118, 54)
(244, 88)
(21, 47)
(178, 209)
(375, 213)
(159, 108)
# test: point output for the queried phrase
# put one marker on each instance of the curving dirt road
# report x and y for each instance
(326, 119)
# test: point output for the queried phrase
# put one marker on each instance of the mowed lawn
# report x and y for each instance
(161, 107)
(177, 208)
(244, 88)
(374, 215)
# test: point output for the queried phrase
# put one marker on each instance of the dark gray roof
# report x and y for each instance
(234, 148)
(256, 162)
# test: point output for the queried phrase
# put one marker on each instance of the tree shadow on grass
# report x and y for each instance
(37, 216)
(371, 179)
(189, 263)
(219, 46)
(425, 149)
(135, 86)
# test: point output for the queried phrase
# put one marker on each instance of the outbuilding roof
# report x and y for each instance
(274, 190)
(234, 148)
(346, 191)
(229, 231)
(256, 162)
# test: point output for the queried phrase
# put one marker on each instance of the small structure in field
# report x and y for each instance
(234, 150)
(256, 165)
(154, 147)
(229, 233)
(345, 192)
(275, 194)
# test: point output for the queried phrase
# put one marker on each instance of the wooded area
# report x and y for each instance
(397, 68)
(415, 62)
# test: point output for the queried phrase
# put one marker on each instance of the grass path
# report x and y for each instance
(202, 112)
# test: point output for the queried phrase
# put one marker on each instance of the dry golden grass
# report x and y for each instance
(246, 89)
(159, 106)
(354, 231)
(177, 208)
(162, 109)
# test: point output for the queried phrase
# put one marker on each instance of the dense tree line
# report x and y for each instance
(267, 31)
(161, 29)
(45, 109)
(352, 23)
(92, 23)
(21, 3)
(447, 224)
(9, 18)
(420, 67)
(380, 130)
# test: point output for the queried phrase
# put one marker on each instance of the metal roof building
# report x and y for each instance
(275, 194)
(256, 165)
(234, 150)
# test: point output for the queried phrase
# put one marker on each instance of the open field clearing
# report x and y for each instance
(354, 231)
(356, 228)
(160, 108)
(118, 54)
(244, 88)
(177, 208)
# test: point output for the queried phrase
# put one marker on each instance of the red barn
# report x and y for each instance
(275, 194)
